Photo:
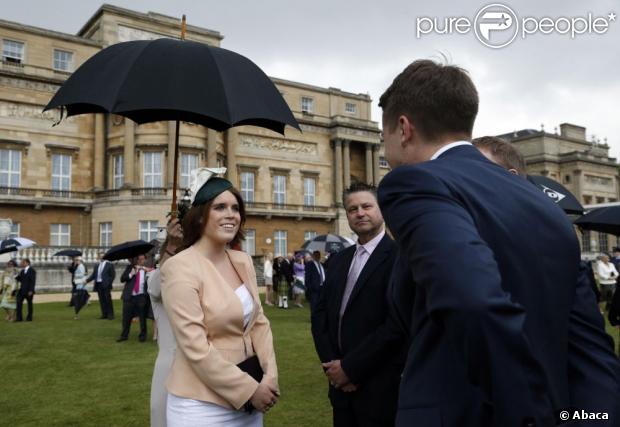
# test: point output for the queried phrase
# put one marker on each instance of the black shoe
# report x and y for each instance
(142, 339)
(120, 339)
(102, 317)
(111, 318)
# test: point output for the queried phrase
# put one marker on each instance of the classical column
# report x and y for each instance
(129, 149)
(232, 140)
(375, 164)
(347, 164)
(172, 127)
(338, 171)
(211, 148)
(578, 185)
(369, 176)
(99, 153)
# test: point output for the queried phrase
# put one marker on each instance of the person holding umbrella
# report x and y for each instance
(79, 279)
(224, 370)
(134, 296)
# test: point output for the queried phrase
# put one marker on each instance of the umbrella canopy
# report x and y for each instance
(558, 193)
(68, 252)
(167, 79)
(128, 250)
(326, 243)
(15, 244)
(605, 220)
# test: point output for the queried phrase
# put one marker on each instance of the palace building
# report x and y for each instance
(99, 180)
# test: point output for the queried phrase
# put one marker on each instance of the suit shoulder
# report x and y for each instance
(240, 256)
(412, 178)
(185, 258)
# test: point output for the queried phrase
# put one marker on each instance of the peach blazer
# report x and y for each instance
(207, 320)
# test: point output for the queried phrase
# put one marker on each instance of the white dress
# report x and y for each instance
(182, 412)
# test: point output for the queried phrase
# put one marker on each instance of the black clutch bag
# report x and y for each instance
(252, 367)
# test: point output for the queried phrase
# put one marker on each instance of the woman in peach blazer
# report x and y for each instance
(211, 297)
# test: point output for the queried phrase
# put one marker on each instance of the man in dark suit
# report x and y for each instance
(503, 330)
(314, 279)
(104, 275)
(134, 297)
(27, 279)
(362, 359)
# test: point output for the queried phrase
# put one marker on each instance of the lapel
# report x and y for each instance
(239, 262)
(376, 259)
(340, 276)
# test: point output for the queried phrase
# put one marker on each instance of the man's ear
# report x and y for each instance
(513, 171)
(406, 130)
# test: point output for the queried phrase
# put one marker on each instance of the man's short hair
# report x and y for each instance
(439, 99)
(356, 187)
(504, 153)
(26, 260)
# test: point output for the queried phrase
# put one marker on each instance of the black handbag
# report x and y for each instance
(251, 366)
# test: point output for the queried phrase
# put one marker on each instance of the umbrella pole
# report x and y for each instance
(174, 207)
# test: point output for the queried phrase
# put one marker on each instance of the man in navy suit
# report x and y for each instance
(362, 358)
(503, 332)
(27, 279)
(314, 279)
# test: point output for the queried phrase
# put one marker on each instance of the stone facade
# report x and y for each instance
(120, 172)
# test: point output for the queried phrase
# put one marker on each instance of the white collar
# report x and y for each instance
(448, 147)
(372, 244)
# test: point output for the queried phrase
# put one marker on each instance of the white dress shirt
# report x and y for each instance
(100, 271)
(448, 147)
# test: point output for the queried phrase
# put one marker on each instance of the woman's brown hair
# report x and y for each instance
(195, 221)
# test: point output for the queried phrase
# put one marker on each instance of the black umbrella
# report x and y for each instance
(558, 193)
(166, 79)
(68, 252)
(128, 250)
(326, 243)
(605, 220)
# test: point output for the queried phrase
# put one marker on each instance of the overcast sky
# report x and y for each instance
(359, 46)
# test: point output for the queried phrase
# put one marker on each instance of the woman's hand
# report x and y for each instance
(264, 397)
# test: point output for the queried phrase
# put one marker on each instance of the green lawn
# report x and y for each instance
(57, 371)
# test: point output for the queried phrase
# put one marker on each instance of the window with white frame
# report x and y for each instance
(60, 234)
(10, 168)
(15, 230)
(279, 189)
(12, 51)
(383, 163)
(63, 60)
(118, 174)
(350, 108)
(603, 242)
(585, 241)
(280, 238)
(105, 234)
(148, 230)
(189, 162)
(249, 244)
(307, 104)
(152, 169)
(309, 235)
(309, 191)
(61, 172)
(247, 186)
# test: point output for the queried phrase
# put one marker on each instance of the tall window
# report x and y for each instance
(309, 191)
(279, 189)
(249, 244)
(118, 176)
(10, 168)
(12, 51)
(189, 162)
(63, 60)
(152, 170)
(61, 172)
(309, 235)
(603, 243)
(585, 241)
(105, 234)
(350, 108)
(247, 186)
(60, 234)
(279, 242)
(148, 230)
(15, 230)
(307, 104)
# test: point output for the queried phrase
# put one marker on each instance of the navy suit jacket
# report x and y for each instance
(312, 282)
(371, 355)
(502, 329)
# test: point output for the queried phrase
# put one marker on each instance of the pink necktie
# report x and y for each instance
(356, 268)
(136, 285)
